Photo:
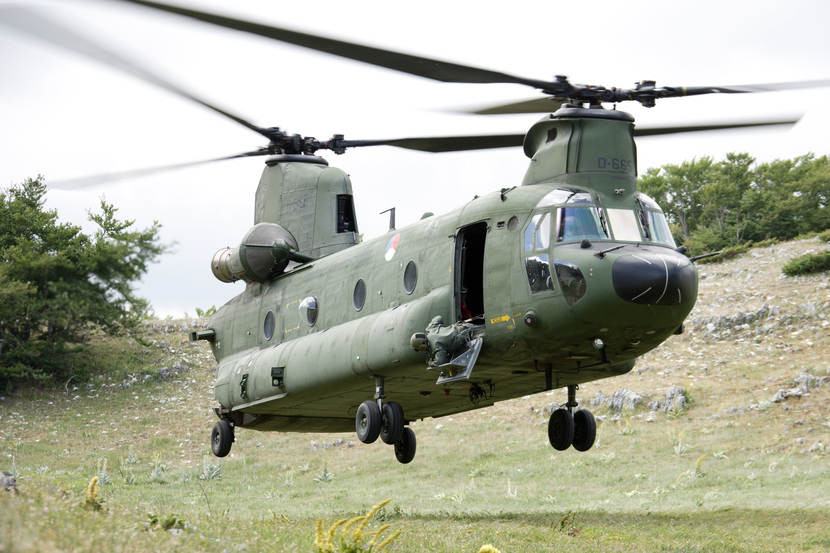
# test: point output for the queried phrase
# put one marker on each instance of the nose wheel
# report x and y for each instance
(561, 429)
(376, 418)
(567, 428)
(585, 430)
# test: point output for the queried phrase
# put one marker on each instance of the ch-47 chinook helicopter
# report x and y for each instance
(565, 278)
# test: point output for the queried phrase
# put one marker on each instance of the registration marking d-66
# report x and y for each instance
(615, 164)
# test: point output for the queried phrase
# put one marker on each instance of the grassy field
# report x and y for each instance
(733, 471)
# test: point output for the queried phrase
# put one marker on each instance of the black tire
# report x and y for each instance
(367, 422)
(221, 439)
(561, 429)
(585, 430)
(392, 423)
(405, 447)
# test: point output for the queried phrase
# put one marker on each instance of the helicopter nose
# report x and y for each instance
(653, 278)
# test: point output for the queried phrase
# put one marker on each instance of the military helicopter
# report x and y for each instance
(566, 278)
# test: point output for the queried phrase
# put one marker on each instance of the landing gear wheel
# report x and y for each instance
(561, 429)
(405, 447)
(585, 430)
(367, 422)
(391, 428)
(221, 438)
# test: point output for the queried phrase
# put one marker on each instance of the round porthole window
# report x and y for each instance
(268, 326)
(309, 310)
(359, 295)
(512, 223)
(410, 277)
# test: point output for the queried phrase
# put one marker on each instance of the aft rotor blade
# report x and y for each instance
(677, 129)
(406, 63)
(437, 144)
(93, 180)
(40, 26)
(537, 105)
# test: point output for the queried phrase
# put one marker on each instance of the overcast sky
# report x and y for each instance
(64, 116)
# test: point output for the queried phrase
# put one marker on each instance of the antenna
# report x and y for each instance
(391, 211)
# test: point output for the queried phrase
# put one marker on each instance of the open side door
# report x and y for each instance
(469, 273)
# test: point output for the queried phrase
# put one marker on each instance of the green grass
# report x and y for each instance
(499, 483)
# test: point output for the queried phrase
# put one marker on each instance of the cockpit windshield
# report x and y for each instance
(624, 225)
(580, 223)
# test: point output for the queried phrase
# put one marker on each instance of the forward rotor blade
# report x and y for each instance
(41, 27)
(537, 105)
(86, 182)
(678, 129)
(406, 63)
(748, 88)
(437, 144)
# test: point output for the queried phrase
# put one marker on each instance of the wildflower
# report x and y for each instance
(93, 500)
(377, 534)
(369, 515)
(334, 527)
(352, 535)
(390, 539)
(352, 522)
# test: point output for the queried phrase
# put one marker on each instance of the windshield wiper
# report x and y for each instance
(602, 253)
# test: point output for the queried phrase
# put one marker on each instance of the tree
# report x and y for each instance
(734, 201)
(57, 283)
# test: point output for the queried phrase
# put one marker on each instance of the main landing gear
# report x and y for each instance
(386, 420)
(221, 439)
(567, 428)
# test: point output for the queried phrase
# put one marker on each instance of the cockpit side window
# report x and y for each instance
(653, 221)
(537, 257)
(530, 232)
(660, 229)
(537, 233)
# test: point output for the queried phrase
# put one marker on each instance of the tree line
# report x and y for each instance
(712, 205)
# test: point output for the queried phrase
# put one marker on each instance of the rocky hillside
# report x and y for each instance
(757, 342)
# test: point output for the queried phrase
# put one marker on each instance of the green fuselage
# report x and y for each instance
(559, 304)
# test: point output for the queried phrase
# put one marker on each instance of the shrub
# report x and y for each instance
(809, 263)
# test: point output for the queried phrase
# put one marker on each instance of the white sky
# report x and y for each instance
(64, 116)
